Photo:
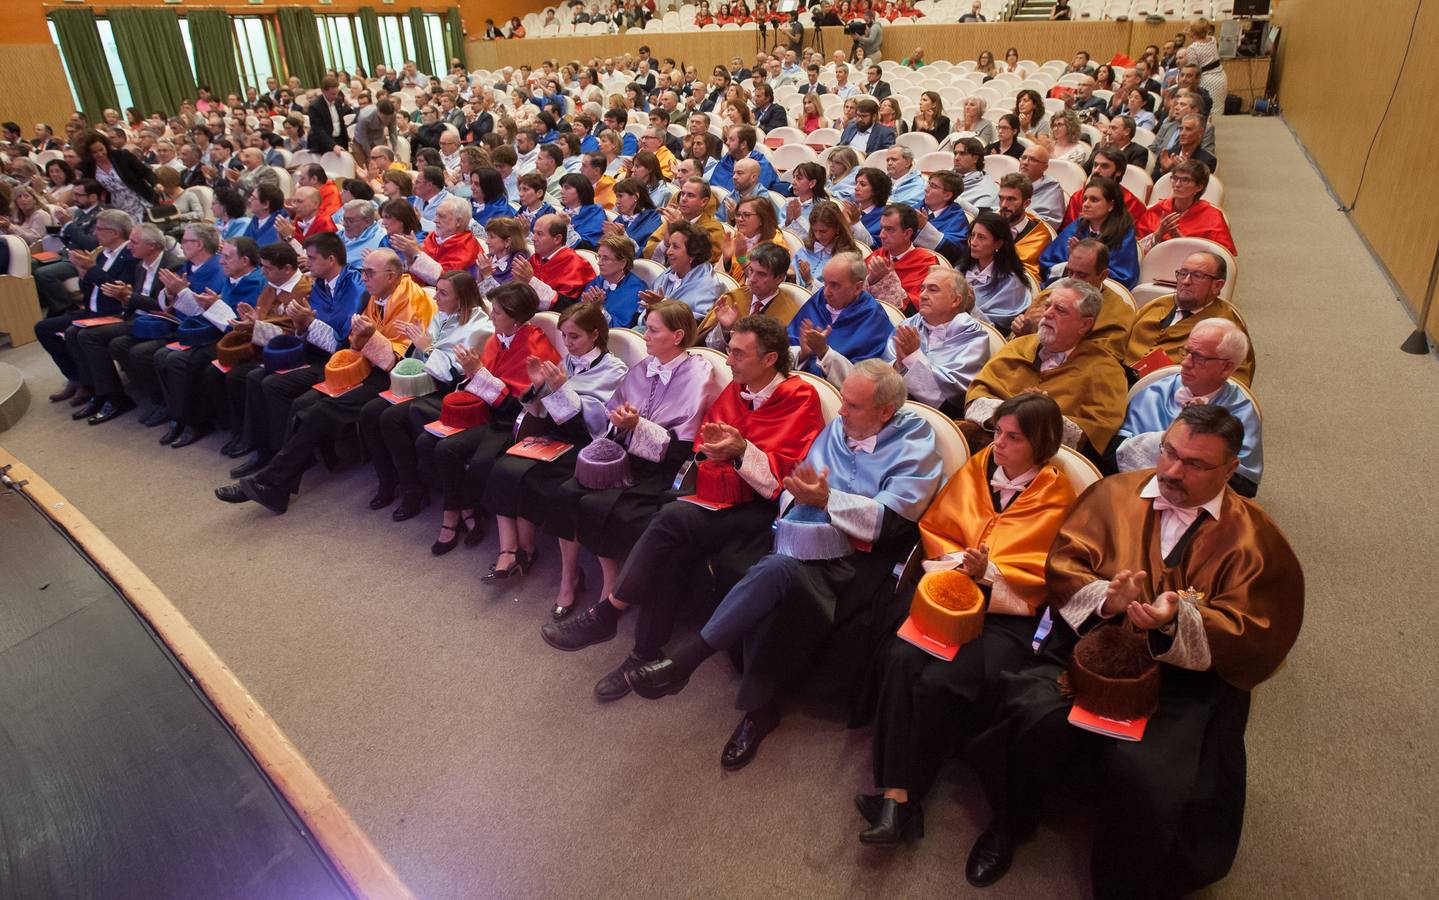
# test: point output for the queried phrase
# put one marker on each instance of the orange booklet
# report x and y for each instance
(98, 320)
(332, 392)
(909, 631)
(712, 505)
(541, 448)
(1123, 729)
(1156, 359)
(391, 398)
(441, 430)
(45, 256)
(221, 366)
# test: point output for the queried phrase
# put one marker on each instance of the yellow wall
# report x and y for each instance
(1338, 65)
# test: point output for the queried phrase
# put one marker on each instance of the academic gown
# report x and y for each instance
(565, 271)
(998, 297)
(622, 302)
(723, 175)
(861, 332)
(909, 190)
(952, 223)
(609, 522)
(1156, 326)
(926, 706)
(588, 223)
(786, 609)
(1154, 409)
(1123, 259)
(355, 247)
(1180, 790)
(1201, 220)
(698, 288)
(948, 359)
(493, 209)
(1089, 385)
(577, 413)
(641, 226)
(1111, 328)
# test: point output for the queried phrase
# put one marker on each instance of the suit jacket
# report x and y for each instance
(321, 133)
(142, 300)
(472, 132)
(879, 90)
(881, 137)
(816, 87)
(1134, 154)
(773, 117)
(272, 300)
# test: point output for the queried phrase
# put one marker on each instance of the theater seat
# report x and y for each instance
(828, 395)
(549, 323)
(1080, 471)
(953, 448)
(722, 375)
(19, 304)
(628, 346)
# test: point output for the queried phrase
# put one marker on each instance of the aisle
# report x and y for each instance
(481, 766)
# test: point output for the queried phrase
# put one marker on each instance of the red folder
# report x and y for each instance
(1155, 360)
(1122, 729)
(541, 448)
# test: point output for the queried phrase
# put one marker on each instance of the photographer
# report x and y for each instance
(868, 36)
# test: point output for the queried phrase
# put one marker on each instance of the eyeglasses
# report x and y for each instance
(1186, 274)
(1201, 359)
(1167, 451)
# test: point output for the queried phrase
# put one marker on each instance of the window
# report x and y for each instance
(394, 40)
(189, 47)
(255, 49)
(112, 59)
(64, 63)
(342, 42)
(435, 36)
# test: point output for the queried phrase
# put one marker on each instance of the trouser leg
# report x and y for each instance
(94, 346)
(50, 333)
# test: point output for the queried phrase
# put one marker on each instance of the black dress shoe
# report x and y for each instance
(579, 632)
(172, 433)
(741, 747)
(615, 685)
(66, 392)
(384, 496)
(250, 466)
(230, 445)
(190, 435)
(231, 493)
(157, 416)
(237, 448)
(82, 396)
(868, 806)
(657, 679)
(91, 407)
(276, 501)
(111, 409)
(990, 859)
(896, 822)
(412, 505)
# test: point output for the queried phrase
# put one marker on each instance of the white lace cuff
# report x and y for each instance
(487, 387)
(265, 332)
(858, 517)
(1190, 649)
(754, 469)
(186, 304)
(649, 441)
(220, 315)
(1073, 434)
(322, 336)
(379, 351)
(562, 405)
(547, 294)
(1083, 602)
(426, 269)
(981, 409)
(836, 368)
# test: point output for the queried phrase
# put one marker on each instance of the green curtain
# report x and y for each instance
(300, 34)
(213, 38)
(422, 43)
(152, 53)
(455, 36)
(80, 42)
(369, 22)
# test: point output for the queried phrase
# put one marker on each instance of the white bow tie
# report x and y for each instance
(999, 483)
(749, 398)
(654, 367)
(1185, 397)
(976, 278)
(865, 445)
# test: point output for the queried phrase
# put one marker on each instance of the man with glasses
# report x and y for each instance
(1165, 323)
(1211, 355)
(1217, 594)
(759, 295)
(1088, 262)
(1046, 195)
(1061, 360)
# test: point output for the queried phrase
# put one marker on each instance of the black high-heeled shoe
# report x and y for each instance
(514, 571)
(476, 534)
(560, 613)
(440, 548)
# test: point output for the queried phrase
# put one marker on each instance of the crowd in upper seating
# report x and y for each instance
(623, 306)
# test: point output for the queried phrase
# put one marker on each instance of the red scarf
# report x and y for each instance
(782, 429)
(508, 363)
(911, 268)
(1131, 203)
(566, 271)
(457, 253)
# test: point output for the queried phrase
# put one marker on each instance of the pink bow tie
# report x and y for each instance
(1185, 513)
(653, 367)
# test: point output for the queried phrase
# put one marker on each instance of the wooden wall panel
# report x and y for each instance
(1338, 65)
(38, 91)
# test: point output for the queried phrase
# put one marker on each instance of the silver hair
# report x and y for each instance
(1233, 342)
(151, 234)
(206, 234)
(460, 207)
(1090, 300)
(889, 387)
(116, 219)
(904, 150)
(957, 283)
(365, 207)
(854, 263)
(981, 101)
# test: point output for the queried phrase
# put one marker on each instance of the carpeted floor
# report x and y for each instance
(479, 763)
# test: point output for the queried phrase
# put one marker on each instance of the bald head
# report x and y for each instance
(746, 175)
(307, 203)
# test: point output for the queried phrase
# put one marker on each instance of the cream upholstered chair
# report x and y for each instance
(829, 401)
(953, 448)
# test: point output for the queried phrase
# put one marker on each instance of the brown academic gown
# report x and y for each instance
(1089, 385)
(1179, 792)
(1146, 334)
(782, 309)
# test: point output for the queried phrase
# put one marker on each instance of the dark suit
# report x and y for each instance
(473, 131)
(879, 90)
(193, 177)
(52, 332)
(1199, 154)
(771, 117)
(881, 137)
(90, 347)
(1134, 154)
(816, 88)
(321, 134)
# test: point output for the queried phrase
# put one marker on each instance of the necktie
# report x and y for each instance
(756, 307)
(654, 368)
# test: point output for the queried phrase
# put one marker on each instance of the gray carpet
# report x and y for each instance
(479, 763)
